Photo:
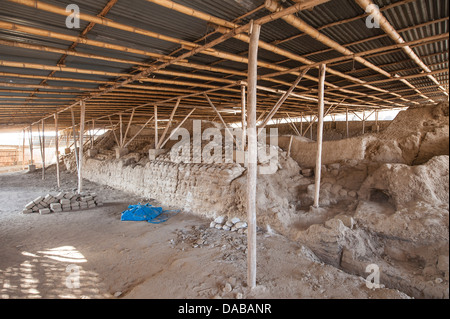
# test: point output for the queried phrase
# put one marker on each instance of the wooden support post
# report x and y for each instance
(178, 126)
(23, 149)
(31, 145)
(121, 129)
(283, 98)
(57, 150)
(322, 69)
(290, 144)
(293, 125)
(166, 129)
(243, 118)
(128, 126)
(114, 132)
(346, 122)
(363, 122)
(156, 125)
(80, 161)
(92, 133)
(301, 124)
(131, 139)
(376, 121)
(74, 139)
(220, 117)
(312, 126)
(43, 149)
(252, 155)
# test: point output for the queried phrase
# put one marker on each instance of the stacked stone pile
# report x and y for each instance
(63, 201)
(234, 224)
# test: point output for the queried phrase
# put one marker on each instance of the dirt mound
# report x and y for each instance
(414, 136)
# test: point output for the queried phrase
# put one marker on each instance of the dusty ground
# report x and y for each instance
(181, 258)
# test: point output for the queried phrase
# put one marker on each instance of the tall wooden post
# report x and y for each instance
(57, 150)
(301, 124)
(156, 126)
(363, 122)
(244, 123)
(31, 145)
(74, 139)
(312, 127)
(376, 121)
(23, 149)
(43, 149)
(322, 69)
(346, 122)
(80, 161)
(121, 129)
(252, 155)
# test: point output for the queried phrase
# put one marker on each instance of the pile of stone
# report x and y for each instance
(234, 224)
(63, 201)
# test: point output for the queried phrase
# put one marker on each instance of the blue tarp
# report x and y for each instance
(147, 212)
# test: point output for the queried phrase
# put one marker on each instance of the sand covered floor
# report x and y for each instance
(180, 258)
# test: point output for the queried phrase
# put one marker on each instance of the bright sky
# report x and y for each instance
(16, 138)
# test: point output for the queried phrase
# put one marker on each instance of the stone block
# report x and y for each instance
(44, 211)
(66, 206)
(30, 205)
(38, 200)
(55, 206)
(31, 168)
(65, 201)
(27, 211)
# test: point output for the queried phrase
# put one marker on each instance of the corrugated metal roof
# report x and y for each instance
(152, 17)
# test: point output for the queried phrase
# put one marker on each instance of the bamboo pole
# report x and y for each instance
(394, 35)
(363, 123)
(220, 117)
(114, 132)
(135, 135)
(128, 126)
(43, 149)
(179, 125)
(273, 6)
(31, 145)
(75, 139)
(121, 129)
(283, 98)
(57, 151)
(346, 122)
(252, 154)
(155, 110)
(60, 36)
(290, 144)
(243, 119)
(80, 170)
(166, 129)
(23, 149)
(319, 136)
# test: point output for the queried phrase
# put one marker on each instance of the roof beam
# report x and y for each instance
(394, 35)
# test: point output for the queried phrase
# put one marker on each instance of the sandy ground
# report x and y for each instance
(42, 255)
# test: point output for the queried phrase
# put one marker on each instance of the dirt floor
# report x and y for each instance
(180, 258)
